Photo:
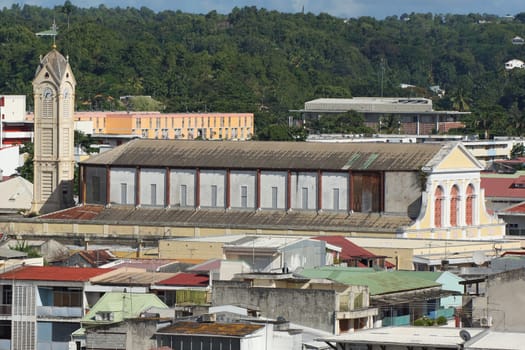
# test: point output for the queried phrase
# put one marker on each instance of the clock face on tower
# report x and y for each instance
(48, 93)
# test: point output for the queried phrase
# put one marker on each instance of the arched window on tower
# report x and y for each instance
(438, 207)
(454, 197)
(469, 203)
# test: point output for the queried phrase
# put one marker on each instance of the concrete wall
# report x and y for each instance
(335, 191)
(304, 183)
(152, 187)
(118, 177)
(238, 179)
(210, 178)
(175, 249)
(402, 193)
(269, 180)
(506, 301)
(137, 335)
(182, 183)
(307, 307)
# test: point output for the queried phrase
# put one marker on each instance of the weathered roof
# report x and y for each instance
(211, 329)
(325, 221)
(131, 277)
(6, 253)
(268, 155)
(97, 257)
(123, 306)
(85, 212)
(53, 273)
(378, 282)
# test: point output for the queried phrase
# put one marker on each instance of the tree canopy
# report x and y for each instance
(266, 62)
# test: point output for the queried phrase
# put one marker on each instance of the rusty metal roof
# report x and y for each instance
(299, 220)
(211, 329)
(269, 155)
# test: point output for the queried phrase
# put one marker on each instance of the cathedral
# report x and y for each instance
(54, 98)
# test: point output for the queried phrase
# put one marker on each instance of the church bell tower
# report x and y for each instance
(54, 97)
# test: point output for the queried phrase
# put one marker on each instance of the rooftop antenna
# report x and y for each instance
(53, 31)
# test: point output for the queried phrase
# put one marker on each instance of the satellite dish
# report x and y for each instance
(479, 258)
(465, 335)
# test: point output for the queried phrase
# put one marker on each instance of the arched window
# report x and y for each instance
(469, 203)
(454, 205)
(438, 206)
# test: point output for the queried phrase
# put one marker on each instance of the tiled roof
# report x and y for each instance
(349, 249)
(53, 273)
(211, 329)
(503, 187)
(187, 279)
(361, 222)
(269, 155)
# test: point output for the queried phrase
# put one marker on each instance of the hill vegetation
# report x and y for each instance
(266, 62)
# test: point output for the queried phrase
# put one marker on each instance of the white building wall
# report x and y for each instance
(269, 181)
(9, 160)
(210, 179)
(122, 186)
(335, 184)
(304, 190)
(238, 179)
(14, 109)
(182, 187)
(152, 187)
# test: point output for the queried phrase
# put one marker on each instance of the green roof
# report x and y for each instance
(378, 282)
(122, 306)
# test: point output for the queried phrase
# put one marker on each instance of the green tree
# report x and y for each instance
(27, 169)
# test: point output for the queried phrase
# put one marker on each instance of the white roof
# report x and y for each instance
(445, 337)
(497, 341)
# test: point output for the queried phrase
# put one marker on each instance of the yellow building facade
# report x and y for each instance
(172, 126)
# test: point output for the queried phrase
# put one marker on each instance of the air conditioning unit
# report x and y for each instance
(486, 321)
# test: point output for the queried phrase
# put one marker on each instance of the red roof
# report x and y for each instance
(518, 209)
(187, 279)
(349, 250)
(504, 187)
(84, 212)
(53, 273)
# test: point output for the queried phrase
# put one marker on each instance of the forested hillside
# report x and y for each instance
(266, 62)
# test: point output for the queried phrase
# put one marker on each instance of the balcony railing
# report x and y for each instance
(58, 312)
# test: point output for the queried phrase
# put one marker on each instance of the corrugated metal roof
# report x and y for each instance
(211, 329)
(325, 221)
(378, 282)
(53, 273)
(268, 155)
(132, 277)
(187, 279)
(349, 250)
(123, 306)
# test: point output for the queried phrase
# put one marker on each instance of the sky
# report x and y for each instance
(339, 8)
